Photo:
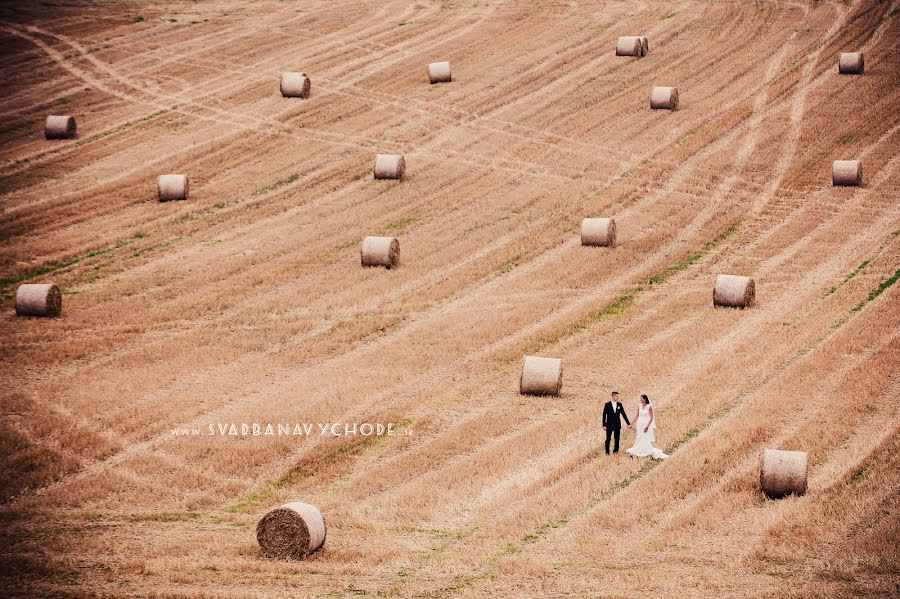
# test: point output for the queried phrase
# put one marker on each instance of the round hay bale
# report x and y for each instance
(783, 473)
(292, 531)
(380, 251)
(540, 376)
(645, 46)
(59, 127)
(295, 85)
(851, 63)
(38, 299)
(598, 232)
(439, 72)
(664, 98)
(173, 187)
(733, 291)
(389, 166)
(846, 173)
(629, 45)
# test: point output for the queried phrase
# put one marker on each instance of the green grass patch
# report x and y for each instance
(509, 264)
(44, 270)
(847, 278)
(4, 129)
(277, 185)
(670, 15)
(399, 225)
(139, 19)
(315, 467)
(894, 12)
(846, 138)
(877, 291)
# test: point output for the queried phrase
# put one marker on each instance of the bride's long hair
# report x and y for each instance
(645, 398)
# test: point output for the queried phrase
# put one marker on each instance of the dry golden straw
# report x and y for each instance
(851, 63)
(59, 127)
(295, 85)
(172, 187)
(380, 251)
(846, 173)
(598, 232)
(733, 291)
(292, 531)
(664, 98)
(540, 376)
(783, 473)
(38, 299)
(630, 45)
(439, 72)
(389, 166)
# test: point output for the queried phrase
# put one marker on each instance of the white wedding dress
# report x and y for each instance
(643, 442)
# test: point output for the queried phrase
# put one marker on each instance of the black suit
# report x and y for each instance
(613, 424)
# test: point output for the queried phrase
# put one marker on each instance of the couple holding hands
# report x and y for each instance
(645, 423)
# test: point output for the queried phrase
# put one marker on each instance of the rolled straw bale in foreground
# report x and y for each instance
(292, 531)
(380, 251)
(389, 166)
(598, 232)
(664, 98)
(295, 85)
(733, 291)
(645, 46)
(59, 127)
(629, 45)
(173, 187)
(783, 473)
(439, 72)
(38, 299)
(541, 376)
(851, 63)
(846, 173)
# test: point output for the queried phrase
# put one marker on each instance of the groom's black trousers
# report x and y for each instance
(609, 433)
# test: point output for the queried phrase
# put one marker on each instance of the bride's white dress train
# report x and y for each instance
(643, 442)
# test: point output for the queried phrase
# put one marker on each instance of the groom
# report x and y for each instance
(611, 422)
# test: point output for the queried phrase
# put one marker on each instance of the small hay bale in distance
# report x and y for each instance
(389, 166)
(664, 98)
(380, 251)
(295, 85)
(732, 291)
(598, 232)
(540, 376)
(851, 63)
(60, 127)
(630, 45)
(783, 473)
(38, 299)
(439, 72)
(172, 187)
(292, 531)
(846, 173)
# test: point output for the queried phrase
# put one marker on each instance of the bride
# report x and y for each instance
(645, 425)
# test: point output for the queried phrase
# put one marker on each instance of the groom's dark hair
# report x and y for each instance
(615, 392)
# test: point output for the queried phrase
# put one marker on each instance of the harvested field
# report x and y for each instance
(247, 304)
